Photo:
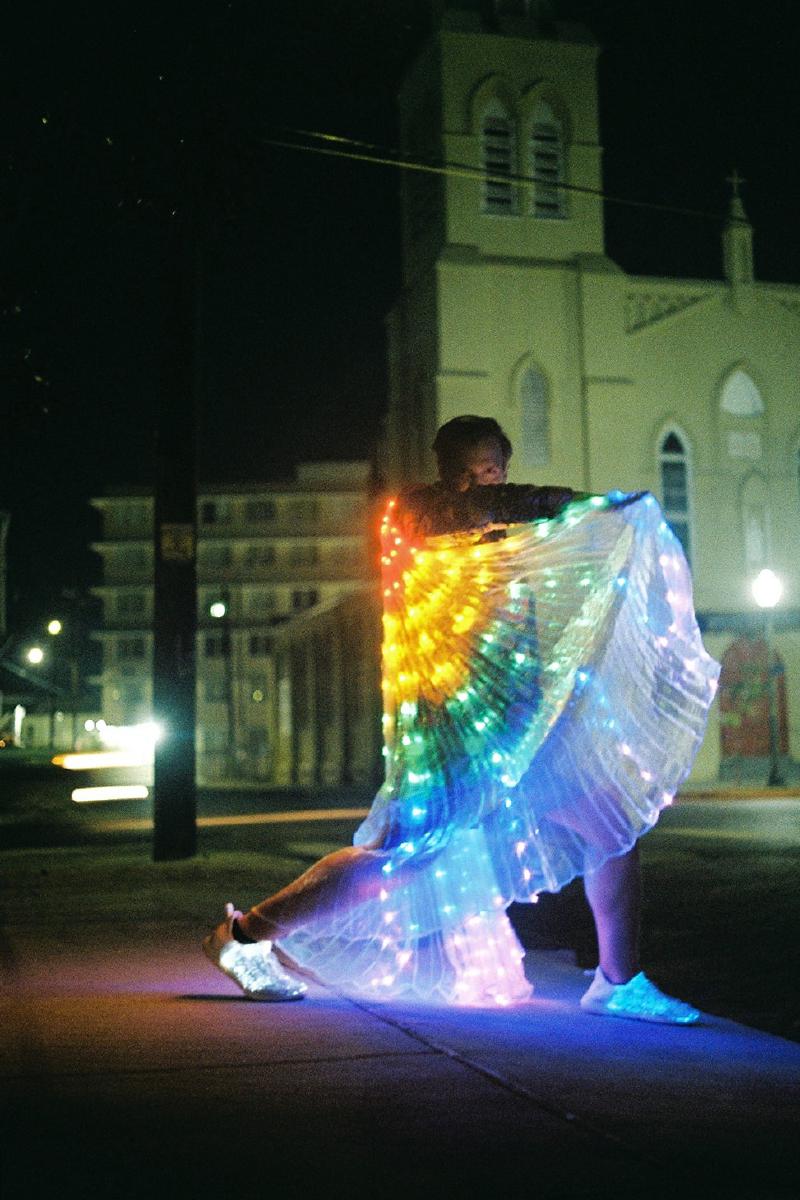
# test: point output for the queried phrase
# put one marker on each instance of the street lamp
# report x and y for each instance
(767, 589)
(219, 612)
(35, 655)
(55, 627)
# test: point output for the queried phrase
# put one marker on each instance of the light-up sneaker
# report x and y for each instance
(254, 967)
(638, 999)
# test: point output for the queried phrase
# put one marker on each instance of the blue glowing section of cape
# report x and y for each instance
(545, 695)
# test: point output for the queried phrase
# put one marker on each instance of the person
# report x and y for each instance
(545, 691)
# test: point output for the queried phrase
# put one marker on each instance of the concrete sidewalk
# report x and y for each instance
(130, 1068)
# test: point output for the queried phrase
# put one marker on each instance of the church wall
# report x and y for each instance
(495, 318)
(670, 372)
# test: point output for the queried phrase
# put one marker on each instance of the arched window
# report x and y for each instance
(534, 418)
(547, 164)
(499, 154)
(740, 396)
(674, 472)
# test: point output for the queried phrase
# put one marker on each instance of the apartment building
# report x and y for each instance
(277, 564)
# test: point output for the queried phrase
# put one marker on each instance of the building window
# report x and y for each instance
(304, 598)
(259, 645)
(261, 601)
(214, 740)
(259, 510)
(132, 701)
(303, 510)
(498, 152)
(303, 555)
(740, 396)
(217, 645)
(215, 689)
(131, 518)
(534, 418)
(547, 164)
(259, 556)
(214, 512)
(133, 559)
(130, 648)
(217, 556)
(755, 522)
(131, 604)
(674, 472)
(257, 742)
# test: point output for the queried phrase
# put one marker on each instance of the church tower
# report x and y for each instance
(499, 115)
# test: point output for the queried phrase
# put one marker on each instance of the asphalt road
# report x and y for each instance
(36, 809)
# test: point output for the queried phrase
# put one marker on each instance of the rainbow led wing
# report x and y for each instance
(545, 694)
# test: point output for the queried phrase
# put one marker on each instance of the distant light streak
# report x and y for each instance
(94, 760)
(139, 738)
(123, 791)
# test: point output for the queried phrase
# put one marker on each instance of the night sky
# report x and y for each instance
(301, 253)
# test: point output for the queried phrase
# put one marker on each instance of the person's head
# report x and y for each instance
(471, 451)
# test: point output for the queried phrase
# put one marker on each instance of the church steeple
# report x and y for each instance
(737, 237)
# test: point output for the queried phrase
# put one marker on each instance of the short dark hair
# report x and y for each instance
(457, 437)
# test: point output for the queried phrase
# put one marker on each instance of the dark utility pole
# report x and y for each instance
(175, 535)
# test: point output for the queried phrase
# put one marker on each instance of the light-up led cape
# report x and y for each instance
(545, 695)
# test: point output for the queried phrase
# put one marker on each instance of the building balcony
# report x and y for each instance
(285, 573)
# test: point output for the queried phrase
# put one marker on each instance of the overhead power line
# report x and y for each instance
(333, 145)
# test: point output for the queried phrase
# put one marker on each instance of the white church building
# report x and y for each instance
(511, 308)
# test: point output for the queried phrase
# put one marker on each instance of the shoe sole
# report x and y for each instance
(607, 1012)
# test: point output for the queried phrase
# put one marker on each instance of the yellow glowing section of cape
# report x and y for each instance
(545, 693)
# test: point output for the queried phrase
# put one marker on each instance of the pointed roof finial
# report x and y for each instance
(736, 180)
(737, 237)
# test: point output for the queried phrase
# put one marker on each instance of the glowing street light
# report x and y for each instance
(35, 655)
(767, 589)
(54, 627)
(218, 610)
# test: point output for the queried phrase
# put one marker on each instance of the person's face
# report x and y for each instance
(483, 465)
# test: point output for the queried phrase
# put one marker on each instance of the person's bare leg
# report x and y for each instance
(343, 877)
(614, 892)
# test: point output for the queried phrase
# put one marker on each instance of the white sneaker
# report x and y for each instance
(254, 967)
(638, 999)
